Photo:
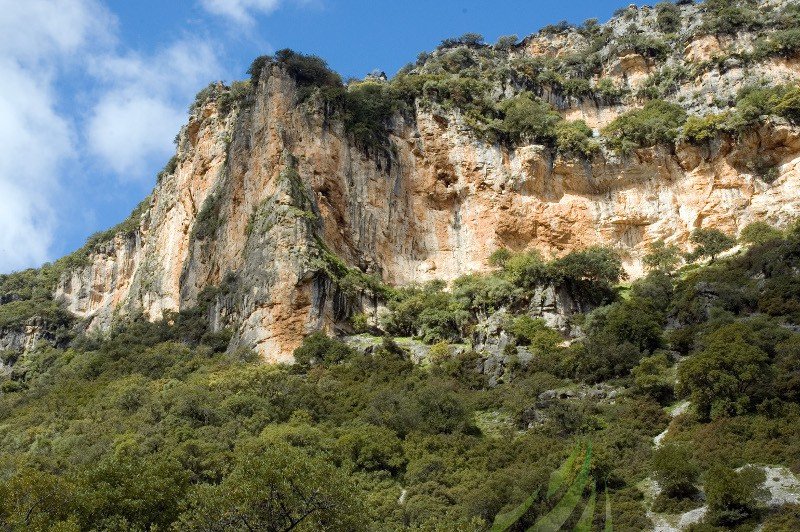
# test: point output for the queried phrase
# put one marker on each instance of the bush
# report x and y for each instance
(596, 264)
(467, 39)
(554, 29)
(784, 43)
(674, 469)
(575, 137)
(635, 321)
(527, 118)
(368, 108)
(729, 377)
(535, 333)
(698, 129)
(788, 104)
(500, 257)
(168, 169)
(787, 369)
(732, 496)
(600, 358)
(483, 294)
(426, 312)
(754, 102)
(317, 348)
(784, 519)
(527, 270)
(729, 16)
(208, 219)
(657, 122)
(256, 68)
(651, 378)
(238, 94)
(506, 42)
(788, 17)
(606, 90)
(307, 70)
(643, 45)
(664, 82)
(668, 17)
(576, 87)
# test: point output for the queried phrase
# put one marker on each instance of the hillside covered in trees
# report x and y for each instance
(549, 283)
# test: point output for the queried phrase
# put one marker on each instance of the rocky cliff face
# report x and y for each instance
(262, 194)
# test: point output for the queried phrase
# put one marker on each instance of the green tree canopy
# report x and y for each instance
(275, 488)
(710, 243)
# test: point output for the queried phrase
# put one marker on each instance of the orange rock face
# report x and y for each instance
(258, 193)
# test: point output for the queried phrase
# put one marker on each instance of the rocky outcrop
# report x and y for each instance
(22, 338)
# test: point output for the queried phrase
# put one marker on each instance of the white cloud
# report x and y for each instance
(240, 11)
(46, 30)
(36, 142)
(137, 104)
(127, 129)
(143, 104)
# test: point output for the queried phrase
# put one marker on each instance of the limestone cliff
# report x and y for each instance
(262, 194)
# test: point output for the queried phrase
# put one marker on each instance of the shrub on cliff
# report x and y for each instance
(729, 16)
(699, 129)
(467, 39)
(607, 91)
(575, 138)
(657, 122)
(308, 71)
(526, 117)
(754, 102)
(668, 17)
(644, 45)
(506, 42)
(368, 108)
(664, 82)
(788, 104)
(785, 43)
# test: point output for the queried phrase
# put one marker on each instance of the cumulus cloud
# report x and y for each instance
(240, 11)
(143, 104)
(125, 123)
(36, 141)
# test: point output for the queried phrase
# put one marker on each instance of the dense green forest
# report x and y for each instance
(154, 426)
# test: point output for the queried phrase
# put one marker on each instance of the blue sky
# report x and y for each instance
(94, 91)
